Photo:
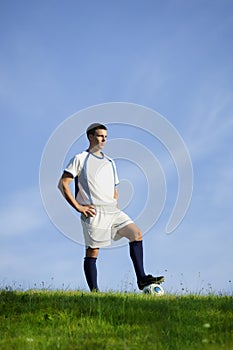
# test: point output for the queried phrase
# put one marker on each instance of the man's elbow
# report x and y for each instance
(60, 186)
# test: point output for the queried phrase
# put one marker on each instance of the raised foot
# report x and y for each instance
(145, 281)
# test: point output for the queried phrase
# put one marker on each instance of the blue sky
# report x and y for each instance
(175, 57)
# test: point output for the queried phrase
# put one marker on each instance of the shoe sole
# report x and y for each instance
(161, 280)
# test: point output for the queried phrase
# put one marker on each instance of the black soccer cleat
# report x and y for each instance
(149, 279)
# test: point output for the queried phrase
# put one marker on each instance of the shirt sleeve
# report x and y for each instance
(73, 166)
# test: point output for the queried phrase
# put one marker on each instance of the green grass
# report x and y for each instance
(76, 320)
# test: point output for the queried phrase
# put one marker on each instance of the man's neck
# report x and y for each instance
(96, 152)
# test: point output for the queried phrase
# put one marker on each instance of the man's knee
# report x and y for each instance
(138, 235)
(132, 232)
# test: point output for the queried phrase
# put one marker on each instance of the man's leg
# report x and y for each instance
(134, 234)
(136, 254)
(90, 268)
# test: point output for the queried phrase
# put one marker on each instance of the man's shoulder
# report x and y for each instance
(81, 155)
(108, 158)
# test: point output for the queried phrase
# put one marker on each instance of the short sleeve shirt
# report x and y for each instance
(95, 178)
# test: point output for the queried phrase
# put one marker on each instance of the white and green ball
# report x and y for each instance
(154, 289)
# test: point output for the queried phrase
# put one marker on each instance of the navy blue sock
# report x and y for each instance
(91, 272)
(136, 254)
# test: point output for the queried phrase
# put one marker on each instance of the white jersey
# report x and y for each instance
(95, 178)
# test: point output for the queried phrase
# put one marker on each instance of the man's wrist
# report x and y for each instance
(78, 207)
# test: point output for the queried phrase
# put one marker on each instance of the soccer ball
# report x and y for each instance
(154, 289)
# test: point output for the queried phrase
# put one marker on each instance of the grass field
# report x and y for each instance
(79, 320)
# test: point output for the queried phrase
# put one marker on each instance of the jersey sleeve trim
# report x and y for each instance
(68, 172)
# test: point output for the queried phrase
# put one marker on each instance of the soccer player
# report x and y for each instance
(96, 194)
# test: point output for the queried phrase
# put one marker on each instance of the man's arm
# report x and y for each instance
(63, 185)
(116, 195)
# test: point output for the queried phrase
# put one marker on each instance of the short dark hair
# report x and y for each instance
(93, 127)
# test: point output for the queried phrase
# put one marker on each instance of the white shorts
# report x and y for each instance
(100, 229)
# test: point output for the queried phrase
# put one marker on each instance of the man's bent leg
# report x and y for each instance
(136, 254)
(90, 268)
(131, 231)
(134, 234)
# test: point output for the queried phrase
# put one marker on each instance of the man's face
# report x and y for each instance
(98, 140)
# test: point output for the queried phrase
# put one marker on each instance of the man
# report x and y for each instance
(95, 198)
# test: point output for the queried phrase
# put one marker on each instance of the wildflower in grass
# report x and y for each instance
(30, 340)
(205, 341)
(206, 325)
